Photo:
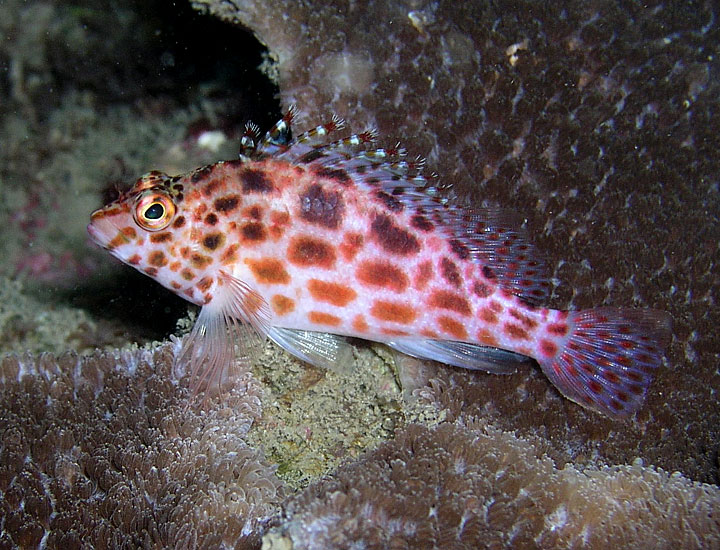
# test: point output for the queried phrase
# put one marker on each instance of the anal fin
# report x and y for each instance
(320, 349)
(461, 354)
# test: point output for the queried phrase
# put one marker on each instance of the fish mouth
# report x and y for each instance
(102, 231)
(95, 234)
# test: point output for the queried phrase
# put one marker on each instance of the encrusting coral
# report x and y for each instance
(101, 452)
(473, 486)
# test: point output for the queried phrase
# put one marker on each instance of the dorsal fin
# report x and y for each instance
(491, 237)
(495, 238)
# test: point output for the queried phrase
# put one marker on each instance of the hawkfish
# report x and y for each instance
(307, 241)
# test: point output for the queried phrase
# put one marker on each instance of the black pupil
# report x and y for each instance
(155, 211)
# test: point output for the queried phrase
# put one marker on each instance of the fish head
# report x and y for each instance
(148, 229)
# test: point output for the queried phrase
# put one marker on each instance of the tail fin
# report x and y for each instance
(609, 358)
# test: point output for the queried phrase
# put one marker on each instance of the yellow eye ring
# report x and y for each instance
(154, 211)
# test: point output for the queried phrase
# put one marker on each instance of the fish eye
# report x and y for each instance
(154, 211)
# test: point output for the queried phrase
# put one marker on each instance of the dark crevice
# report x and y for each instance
(156, 53)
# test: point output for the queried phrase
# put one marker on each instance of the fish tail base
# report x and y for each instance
(609, 358)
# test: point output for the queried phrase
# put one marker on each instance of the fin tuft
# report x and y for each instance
(237, 315)
(609, 358)
(320, 349)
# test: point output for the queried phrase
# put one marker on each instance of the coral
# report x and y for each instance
(103, 452)
(595, 121)
(459, 487)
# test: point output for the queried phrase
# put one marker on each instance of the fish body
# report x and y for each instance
(307, 242)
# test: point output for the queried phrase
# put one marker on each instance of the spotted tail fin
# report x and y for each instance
(609, 358)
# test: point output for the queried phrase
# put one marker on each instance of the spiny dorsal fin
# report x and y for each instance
(491, 237)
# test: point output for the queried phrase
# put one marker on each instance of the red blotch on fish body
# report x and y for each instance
(200, 261)
(252, 233)
(351, 245)
(443, 299)
(559, 329)
(516, 331)
(332, 293)
(255, 180)
(487, 338)
(488, 315)
(321, 206)
(212, 241)
(157, 258)
(226, 205)
(309, 251)
(450, 272)
(359, 324)
(204, 284)
(278, 217)
(423, 275)
(393, 312)
(524, 320)
(548, 348)
(279, 221)
(495, 306)
(382, 274)
(156, 238)
(117, 241)
(322, 318)
(229, 255)
(253, 212)
(452, 327)
(199, 212)
(282, 305)
(481, 290)
(268, 271)
(211, 187)
(392, 238)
